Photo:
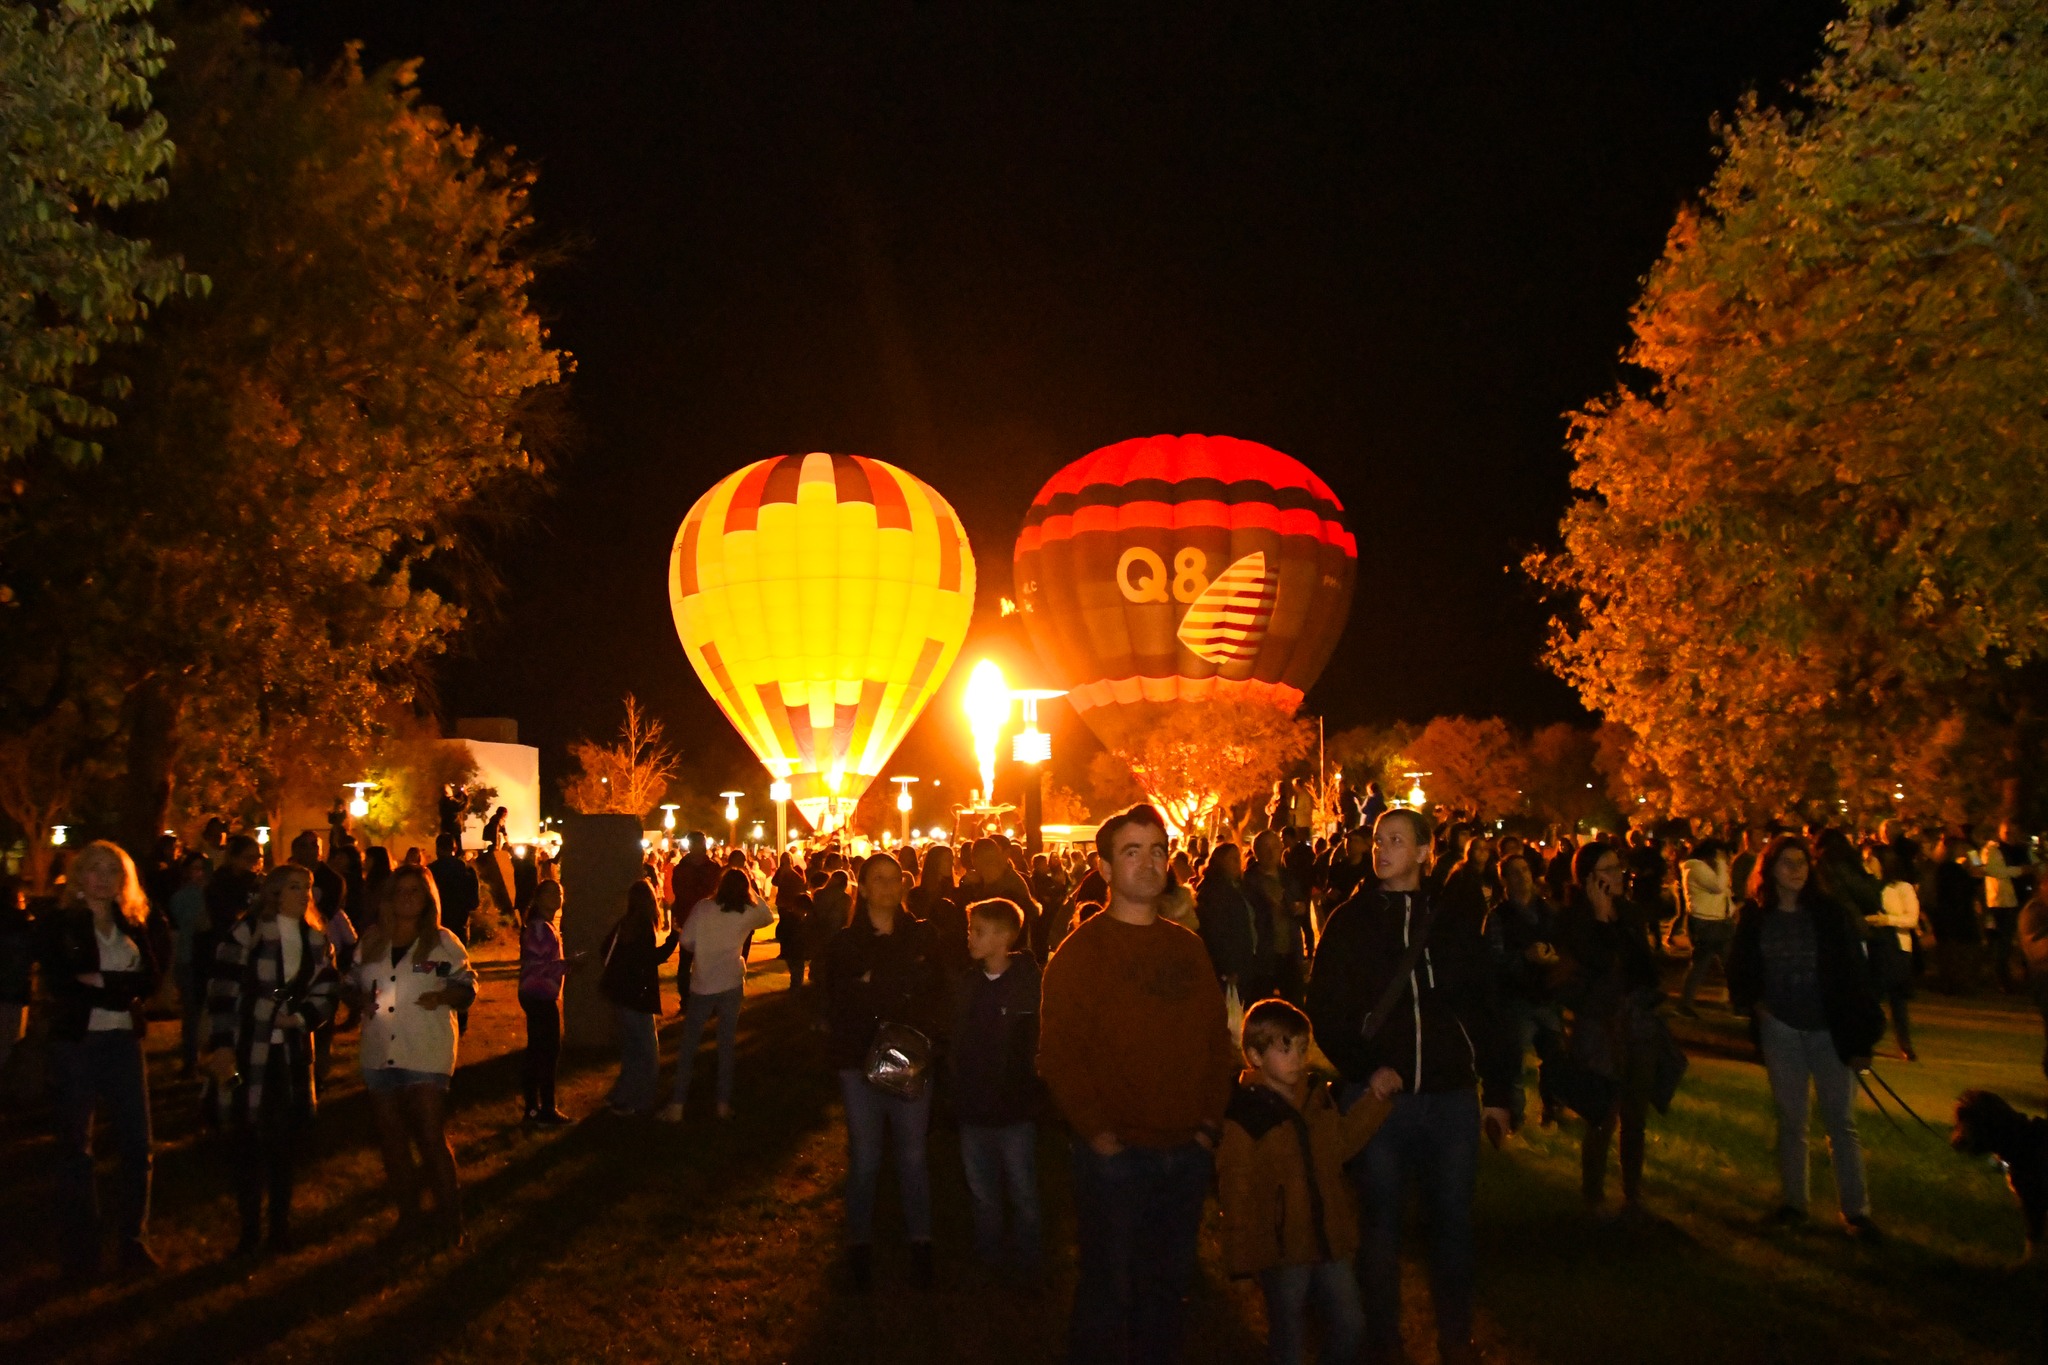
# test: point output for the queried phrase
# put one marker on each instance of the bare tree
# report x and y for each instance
(626, 778)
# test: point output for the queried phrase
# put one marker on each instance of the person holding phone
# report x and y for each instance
(410, 978)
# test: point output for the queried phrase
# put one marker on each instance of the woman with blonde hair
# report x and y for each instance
(273, 983)
(102, 955)
(410, 977)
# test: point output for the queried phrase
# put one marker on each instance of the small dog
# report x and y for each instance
(1987, 1126)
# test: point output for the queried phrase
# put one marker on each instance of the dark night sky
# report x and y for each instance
(977, 240)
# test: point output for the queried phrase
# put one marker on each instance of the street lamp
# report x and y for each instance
(779, 793)
(359, 806)
(58, 834)
(1416, 796)
(1033, 747)
(903, 802)
(732, 817)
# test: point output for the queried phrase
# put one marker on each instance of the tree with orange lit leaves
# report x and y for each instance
(289, 518)
(1476, 765)
(1201, 762)
(1806, 565)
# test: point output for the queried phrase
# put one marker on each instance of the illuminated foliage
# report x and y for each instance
(1808, 563)
(1204, 761)
(77, 138)
(285, 526)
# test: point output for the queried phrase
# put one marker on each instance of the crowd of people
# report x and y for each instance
(1160, 996)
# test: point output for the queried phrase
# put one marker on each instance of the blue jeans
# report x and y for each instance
(101, 1071)
(996, 1158)
(1430, 1141)
(639, 1061)
(1539, 1026)
(1711, 940)
(1792, 1057)
(1137, 1215)
(726, 1005)
(872, 1117)
(1334, 1284)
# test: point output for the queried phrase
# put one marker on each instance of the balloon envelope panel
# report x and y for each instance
(822, 599)
(1183, 568)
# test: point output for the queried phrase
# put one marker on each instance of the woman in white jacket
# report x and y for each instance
(1891, 955)
(410, 978)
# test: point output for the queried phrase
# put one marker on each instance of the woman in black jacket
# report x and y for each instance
(632, 983)
(1797, 969)
(102, 955)
(1608, 980)
(882, 968)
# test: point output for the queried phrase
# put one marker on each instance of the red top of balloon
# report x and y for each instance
(1183, 481)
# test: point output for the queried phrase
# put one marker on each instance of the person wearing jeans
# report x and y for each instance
(1710, 915)
(631, 982)
(995, 1089)
(716, 936)
(1798, 969)
(882, 968)
(1134, 1046)
(1440, 1030)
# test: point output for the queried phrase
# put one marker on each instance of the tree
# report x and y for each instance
(79, 139)
(287, 526)
(627, 778)
(1807, 561)
(1473, 764)
(1207, 761)
(1562, 783)
(1368, 753)
(41, 773)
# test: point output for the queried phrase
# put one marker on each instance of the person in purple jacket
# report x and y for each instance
(542, 968)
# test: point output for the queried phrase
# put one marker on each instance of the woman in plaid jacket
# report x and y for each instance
(273, 983)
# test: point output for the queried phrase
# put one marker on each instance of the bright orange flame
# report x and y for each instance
(987, 704)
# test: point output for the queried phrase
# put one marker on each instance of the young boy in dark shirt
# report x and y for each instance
(995, 1084)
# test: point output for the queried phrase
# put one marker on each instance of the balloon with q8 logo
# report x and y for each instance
(1173, 569)
(822, 599)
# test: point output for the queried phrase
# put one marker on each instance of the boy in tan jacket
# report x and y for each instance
(1288, 1215)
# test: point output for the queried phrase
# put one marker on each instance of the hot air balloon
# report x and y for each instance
(822, 599)
(1174, 569)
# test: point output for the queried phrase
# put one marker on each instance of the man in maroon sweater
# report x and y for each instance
(1133, 1045)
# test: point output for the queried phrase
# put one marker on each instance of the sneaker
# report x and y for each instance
(860, 1266)
(552, 1118)
(621, 1111)
(1863, 1229)
(671, 1113)
(1788, 1216)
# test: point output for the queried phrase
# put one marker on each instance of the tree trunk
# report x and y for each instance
(153, 712)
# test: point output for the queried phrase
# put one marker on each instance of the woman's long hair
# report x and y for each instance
(937, 870)
(1763, 888)
(129, 902)
(735, 893)
(642, 904)
(270, 895)
(427, 935)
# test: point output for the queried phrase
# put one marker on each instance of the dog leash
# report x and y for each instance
(1872, 1073)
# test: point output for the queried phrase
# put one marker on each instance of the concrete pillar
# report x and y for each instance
(601, 858)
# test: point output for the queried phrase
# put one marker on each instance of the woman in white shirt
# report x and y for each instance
(716, 935)
(410, 978)
(1891, 955)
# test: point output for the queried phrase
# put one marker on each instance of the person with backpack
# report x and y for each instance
(715, 934)
(632, 983)
(1404, 1001)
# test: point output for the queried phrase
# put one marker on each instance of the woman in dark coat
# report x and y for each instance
(632, 983)
(102, 955)
(1608, 980)
(882, 968)
(1797, 968)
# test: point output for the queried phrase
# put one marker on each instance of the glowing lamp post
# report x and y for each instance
(732, 817)
(1033, 748)
(359, 804)
(58, 835)
(668, 818)
(1416, 796)
(778, 792)
(903, 802)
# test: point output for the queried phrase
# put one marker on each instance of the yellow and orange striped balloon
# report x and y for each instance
(822, 599)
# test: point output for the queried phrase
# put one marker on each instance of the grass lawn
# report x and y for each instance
(629, 1240)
